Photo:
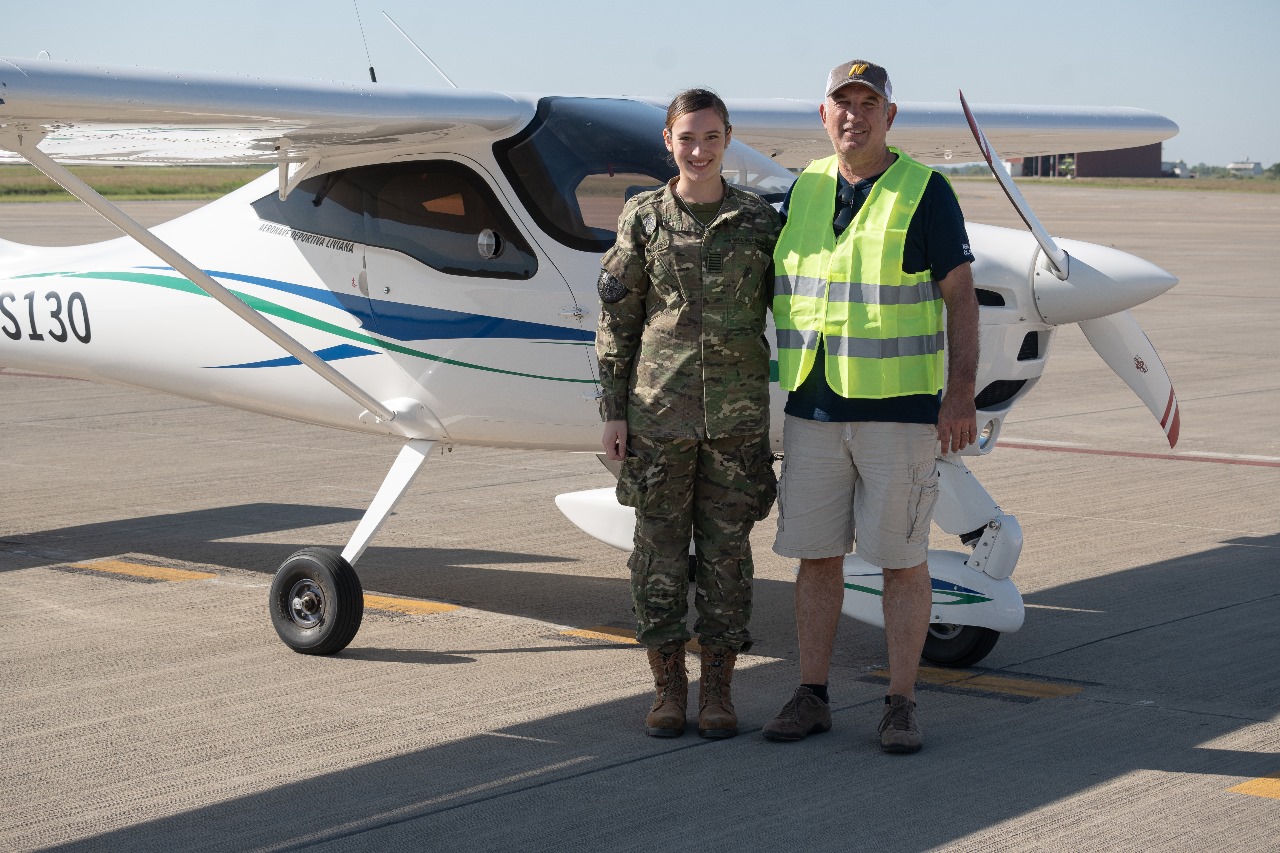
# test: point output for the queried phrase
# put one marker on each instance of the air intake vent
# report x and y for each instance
(998, 392)
(989, 297)
(1030, 348)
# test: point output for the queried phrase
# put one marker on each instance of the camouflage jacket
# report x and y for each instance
(682, 311)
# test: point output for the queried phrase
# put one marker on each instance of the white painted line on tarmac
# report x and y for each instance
(1241, 456)
(1185, 456)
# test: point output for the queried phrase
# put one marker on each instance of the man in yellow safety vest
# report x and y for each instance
(873, 248)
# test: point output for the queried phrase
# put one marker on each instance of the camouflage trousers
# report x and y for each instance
(711, 492)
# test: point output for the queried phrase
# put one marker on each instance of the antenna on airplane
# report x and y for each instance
(373, 78)
(420, 50)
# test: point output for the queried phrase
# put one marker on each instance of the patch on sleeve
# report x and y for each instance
(611, 290)
(649, 223)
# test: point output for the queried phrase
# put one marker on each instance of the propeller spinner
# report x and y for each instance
(1095, 287)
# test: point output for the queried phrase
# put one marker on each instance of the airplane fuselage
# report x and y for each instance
(462, 279)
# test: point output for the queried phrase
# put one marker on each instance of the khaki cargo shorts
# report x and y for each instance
(873, 484)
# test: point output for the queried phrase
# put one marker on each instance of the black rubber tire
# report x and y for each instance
(316, 602)
(958, 645)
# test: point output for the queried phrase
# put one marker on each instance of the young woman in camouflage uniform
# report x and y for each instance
(684, 367)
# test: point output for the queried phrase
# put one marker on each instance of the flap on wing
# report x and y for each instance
(791, 132)
(102, 114)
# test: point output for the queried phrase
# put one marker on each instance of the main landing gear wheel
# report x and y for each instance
(316, 602)
(958, 645)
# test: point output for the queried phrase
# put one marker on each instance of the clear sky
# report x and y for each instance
(1211, 67)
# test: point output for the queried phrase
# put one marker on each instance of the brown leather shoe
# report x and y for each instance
(671, 684)
(716, 717)
(803, 715)
(899, 730)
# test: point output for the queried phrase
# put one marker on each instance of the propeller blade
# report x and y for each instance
(1126, 349)
(1057, 257)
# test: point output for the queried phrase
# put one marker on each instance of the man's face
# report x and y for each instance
(856, 120)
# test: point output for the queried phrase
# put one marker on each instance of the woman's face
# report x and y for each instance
(697, 141)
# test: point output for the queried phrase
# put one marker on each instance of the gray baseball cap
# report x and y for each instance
(860, 71)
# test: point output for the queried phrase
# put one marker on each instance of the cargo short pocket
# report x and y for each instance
(924, 494)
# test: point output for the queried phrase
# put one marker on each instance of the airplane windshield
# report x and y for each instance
(580, 159)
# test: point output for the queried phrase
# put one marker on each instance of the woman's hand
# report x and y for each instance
(615, 440)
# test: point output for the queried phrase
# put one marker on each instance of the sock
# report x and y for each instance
(819, 690)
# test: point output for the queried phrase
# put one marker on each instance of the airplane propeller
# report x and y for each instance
(1095, 289)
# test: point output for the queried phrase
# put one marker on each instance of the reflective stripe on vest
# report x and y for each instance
(883, 327)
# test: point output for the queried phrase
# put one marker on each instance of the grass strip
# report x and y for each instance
(130, 183)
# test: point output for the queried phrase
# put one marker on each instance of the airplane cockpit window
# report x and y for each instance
(580, 159)
(437, 211)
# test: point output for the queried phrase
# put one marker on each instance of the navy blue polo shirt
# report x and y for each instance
(936, 241)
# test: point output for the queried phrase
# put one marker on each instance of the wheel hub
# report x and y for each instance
(306, 603)
(945, 631)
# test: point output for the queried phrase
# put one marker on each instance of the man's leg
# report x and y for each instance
(819, 594)
(815, 501)
(908, 598)
(907, 601)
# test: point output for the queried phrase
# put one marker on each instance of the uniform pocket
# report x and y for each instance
(633, 484)
(924, 494)
(674, 271)
(764, 483)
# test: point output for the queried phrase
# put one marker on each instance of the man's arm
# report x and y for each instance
(957, 422)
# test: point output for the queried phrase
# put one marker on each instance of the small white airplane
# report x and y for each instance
(421, 265)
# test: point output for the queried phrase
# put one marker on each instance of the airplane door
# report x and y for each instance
(325, 216)
(477, 316)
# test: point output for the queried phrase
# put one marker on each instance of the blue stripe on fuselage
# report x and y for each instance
(403, 322)
(337, 353)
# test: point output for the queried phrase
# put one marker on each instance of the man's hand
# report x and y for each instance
(957, 422)
(615, 440)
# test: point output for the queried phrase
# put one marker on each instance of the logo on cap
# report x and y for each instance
(857, 69)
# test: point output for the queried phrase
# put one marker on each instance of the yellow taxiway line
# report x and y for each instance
(989, 683)
(140, 570)
(1267, 786)
(413, 606)
(602, 632)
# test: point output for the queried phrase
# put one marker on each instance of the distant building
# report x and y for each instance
(1245, 168)
(1141, 162)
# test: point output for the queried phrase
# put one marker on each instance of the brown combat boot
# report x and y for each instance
(716, 717)
(671, 682)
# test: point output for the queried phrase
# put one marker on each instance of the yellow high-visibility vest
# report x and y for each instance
(883, 327)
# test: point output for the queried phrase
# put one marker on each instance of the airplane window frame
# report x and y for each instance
(548, 160)
(572, 139)
(325, 205)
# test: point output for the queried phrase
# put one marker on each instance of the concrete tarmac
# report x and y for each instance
(1138, 709)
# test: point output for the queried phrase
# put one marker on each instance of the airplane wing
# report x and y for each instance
(99, 114)
(791, 132)
(102, 114)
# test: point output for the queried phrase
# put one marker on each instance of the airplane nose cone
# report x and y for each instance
(1100, 281)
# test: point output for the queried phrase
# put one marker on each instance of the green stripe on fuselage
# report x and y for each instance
(263, 306)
